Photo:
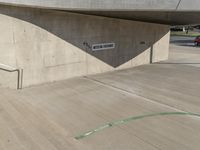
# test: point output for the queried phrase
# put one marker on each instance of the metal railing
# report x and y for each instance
(19, 74)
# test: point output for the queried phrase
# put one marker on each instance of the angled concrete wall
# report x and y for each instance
(48, 45)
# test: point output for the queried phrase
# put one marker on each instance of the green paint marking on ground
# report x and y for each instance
(130, 119)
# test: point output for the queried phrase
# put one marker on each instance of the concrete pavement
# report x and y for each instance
(48, 117)
(183, 52)
(126, 5)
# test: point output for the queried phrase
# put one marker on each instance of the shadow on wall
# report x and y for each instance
(131, 38)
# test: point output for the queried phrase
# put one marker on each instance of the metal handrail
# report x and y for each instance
(19, 74)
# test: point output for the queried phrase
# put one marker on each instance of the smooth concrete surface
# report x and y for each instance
(189, 5)
(99, 4)
(191, 17)
(48, 117)
(171, 12)
(126, 5)
(48, 45)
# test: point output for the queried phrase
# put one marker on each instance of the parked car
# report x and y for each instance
(197, 41)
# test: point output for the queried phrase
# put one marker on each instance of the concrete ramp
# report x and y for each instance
(189, 5)
(49, 117)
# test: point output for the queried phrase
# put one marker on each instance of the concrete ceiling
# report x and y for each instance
(173, 12)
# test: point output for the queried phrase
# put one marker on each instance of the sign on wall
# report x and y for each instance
(103, 46)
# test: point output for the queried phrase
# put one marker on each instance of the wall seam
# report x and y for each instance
(178, 4)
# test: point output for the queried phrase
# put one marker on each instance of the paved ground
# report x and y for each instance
(182, 41)
(183, 55)
(183, 51)
(48, 117)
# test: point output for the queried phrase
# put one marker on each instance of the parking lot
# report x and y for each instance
(183, 51)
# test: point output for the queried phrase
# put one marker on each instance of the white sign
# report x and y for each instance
(104, 46)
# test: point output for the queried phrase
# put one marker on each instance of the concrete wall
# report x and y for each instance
(48, 45)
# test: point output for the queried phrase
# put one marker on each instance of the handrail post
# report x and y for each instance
(19, 78)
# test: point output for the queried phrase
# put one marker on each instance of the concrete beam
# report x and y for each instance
(172, 12)
(189, 5)
(99, 4)
(111, 5)
(160, 17)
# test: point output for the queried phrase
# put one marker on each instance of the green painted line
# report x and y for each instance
(130, 119)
